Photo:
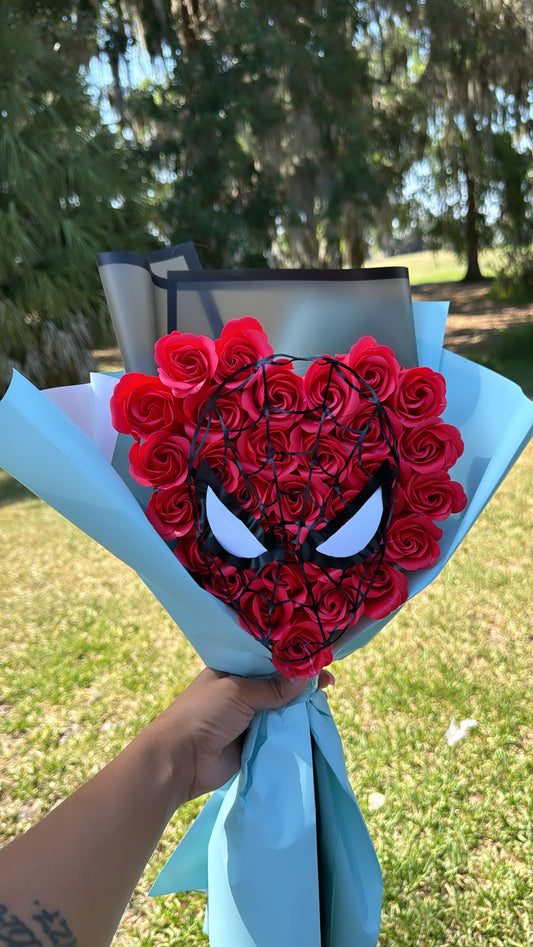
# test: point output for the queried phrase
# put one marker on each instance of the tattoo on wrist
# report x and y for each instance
(52, 929)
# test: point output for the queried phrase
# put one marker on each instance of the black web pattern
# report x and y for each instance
(314, 469)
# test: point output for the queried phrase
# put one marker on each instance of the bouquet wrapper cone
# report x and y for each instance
(282, 850)
(287, 857)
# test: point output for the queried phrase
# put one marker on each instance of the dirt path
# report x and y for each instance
(473, 318)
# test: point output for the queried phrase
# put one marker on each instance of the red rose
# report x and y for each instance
(275, 388)
(283, 582)
(420, 393)
(227, 582)
(226, 413)
(242, 342)
(246, 496)
(298, 649)
(376, 365)
(195, 404)
(348, 489)
(256, 448)
(289, 496)
(171, 512)
(366, 456)
(436, 495)
(258, 614)
(141, 404)
(337, 605)
(326, 452)
(186, 362)
(317, 576)
(386, 592)
(412, 541)
(221, 461)
(160, 461)
(330, 394)
(431, 445)
(372, 429)
(188, 553)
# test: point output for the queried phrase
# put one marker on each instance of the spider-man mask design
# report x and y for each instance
(292, 503)
(300, 500)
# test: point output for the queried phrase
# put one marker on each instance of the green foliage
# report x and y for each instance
(281, 134)
(477, 82)
(67, 192)
(510, 352)
(270, 136)
(515, 278)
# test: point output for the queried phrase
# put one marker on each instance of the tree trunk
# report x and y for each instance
(473, 272)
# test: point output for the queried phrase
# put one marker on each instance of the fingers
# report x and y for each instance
(325, 678)
(274, 692)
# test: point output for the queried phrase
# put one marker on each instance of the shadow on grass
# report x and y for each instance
(509, 352)
(11, 491)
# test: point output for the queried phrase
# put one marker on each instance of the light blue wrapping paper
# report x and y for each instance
(282, 850)
(323, 875)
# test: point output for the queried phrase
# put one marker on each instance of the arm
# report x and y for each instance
(68, 879)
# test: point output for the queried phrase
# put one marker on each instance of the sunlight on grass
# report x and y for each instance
(437, 267)
(89, 657)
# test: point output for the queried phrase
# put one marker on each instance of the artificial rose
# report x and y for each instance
(275, 388)
(226, 581)
(189, 554)
(218, 416)
(258, 614)
(194, 407)
(337, 606)
(284, 582)
(332, 394)
(375, 364)
(412, 541)
(430, 446)
(171, 512)
(436, 495)
(372, 429)
(386, 591)
(420, 393)
(290, 498)
(160, 461)
(326, 453)
(246, 497)
(221, 461)
(242, 342)
(298, 649)
(142, 404)
(351, 482)
(318, 577)
(185, 362)
(264, 443)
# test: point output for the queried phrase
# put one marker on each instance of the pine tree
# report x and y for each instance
(67, 191)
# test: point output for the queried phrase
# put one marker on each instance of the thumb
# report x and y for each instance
(274, 692)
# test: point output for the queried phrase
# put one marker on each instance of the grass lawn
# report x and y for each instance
(437, 267)
(89, 657)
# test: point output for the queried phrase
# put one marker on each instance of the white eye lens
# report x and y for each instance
(229, 530)
(357, 532)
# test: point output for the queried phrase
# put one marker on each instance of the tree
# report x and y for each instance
(68, 190)
(476, 80)
(280, 134)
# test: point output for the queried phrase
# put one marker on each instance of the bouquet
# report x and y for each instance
(302, 501)
(281, 510)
